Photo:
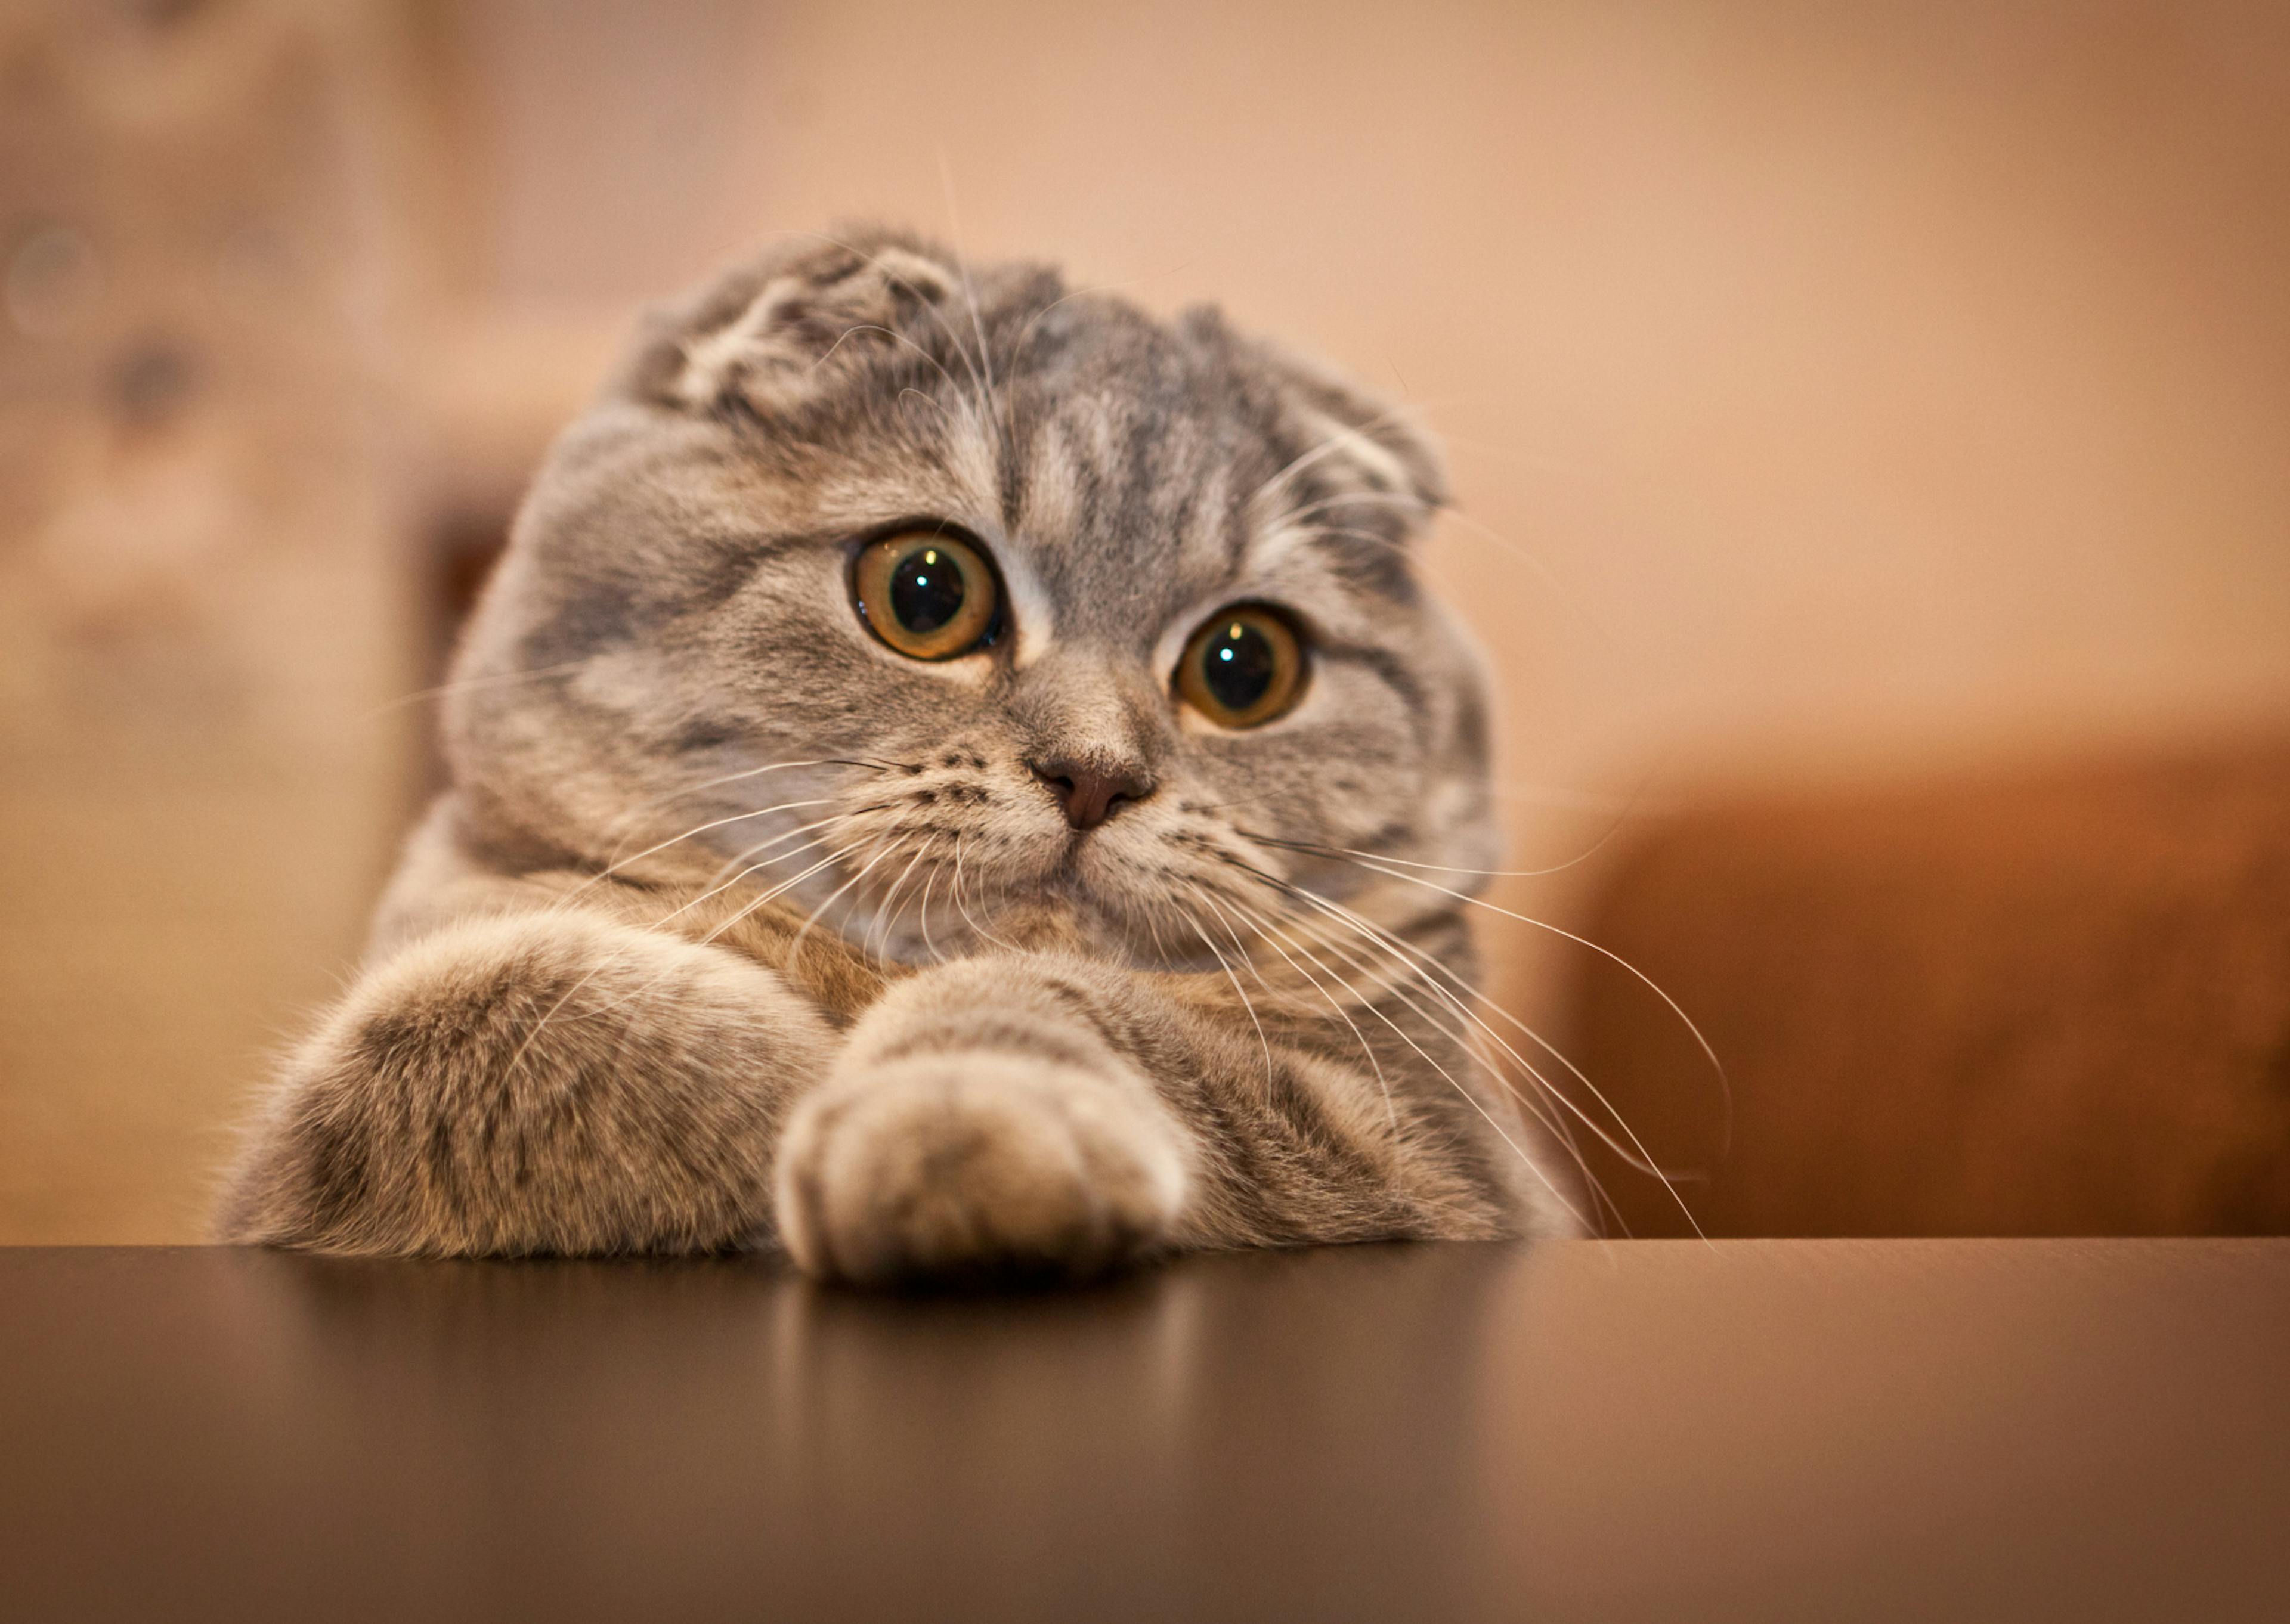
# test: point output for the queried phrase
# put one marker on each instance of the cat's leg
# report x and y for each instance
(1035, 1114)
(549, 1082)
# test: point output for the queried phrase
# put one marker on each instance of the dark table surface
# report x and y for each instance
(1918, 1429)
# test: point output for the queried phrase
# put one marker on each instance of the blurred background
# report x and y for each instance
(1871, 422)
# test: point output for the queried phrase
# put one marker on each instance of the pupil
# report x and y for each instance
(927, 590)
(1238, 667)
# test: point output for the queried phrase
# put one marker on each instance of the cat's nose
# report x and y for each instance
(1091, 791)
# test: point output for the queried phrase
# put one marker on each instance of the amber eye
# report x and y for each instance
(1243, 667)
(926, 593)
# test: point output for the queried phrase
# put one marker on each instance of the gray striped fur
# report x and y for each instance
(736, 928)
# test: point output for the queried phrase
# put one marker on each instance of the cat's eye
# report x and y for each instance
(1244, 667)
(928, 595)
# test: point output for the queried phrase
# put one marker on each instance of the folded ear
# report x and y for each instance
(788, 328)
(1384, 441)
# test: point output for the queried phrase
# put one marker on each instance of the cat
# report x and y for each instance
(954, 776)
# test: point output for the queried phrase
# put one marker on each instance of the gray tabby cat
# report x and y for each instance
(953, 776)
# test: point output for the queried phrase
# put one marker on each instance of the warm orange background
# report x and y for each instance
(1832, 390)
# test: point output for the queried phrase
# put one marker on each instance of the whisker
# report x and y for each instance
(1468, 1098)
(1541, 568)
(1240, 949)
(1484, 874)
(880, 922)
(921, 902)
(1543, 924)
(601, 875)
(1473, 1100)
(1272, 937)
(1386, 499)
(1432, 1022)
(838, 891)
(718, 884)
(978, 929)
(743, 913)
(922, 916)
(777, 766)
(639, 992)
(1026, 334)
(776, 892)
(1636, 1156)
(1240, 991)
(616, 862)
(1399, 950)
(827, 353)
(1462, 1037)
(516, 1060)
(597, 969)
(505, 679)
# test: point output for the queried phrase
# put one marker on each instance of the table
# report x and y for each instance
(1753, 1430)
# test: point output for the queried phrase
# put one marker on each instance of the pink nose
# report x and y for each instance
(1090, 791)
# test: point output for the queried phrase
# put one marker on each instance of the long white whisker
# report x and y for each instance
(1461, 1036)
(931, 838)
(883, 923)
(1422, 965)
(594, 971)
(505, 679)
(976, 928)
(922, 915)
(1484, 874)
(1238, 990)
(1399, 951)
(1473, 1100)
(636, 993)
(1469, 1097)
(1550, 578)
(827, 353)
(1647, 1163)
(602, 875)
(678, 793)
(838, 891)
(1272, 936)
(1638, 1156)
(776, 892)
(1238, 945)
(718, 884)
(1544, 924)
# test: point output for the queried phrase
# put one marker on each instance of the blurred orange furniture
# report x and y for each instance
(2049, 1004)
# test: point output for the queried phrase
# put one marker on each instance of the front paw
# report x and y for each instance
(971, 1166)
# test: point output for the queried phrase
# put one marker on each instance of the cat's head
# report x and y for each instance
(943, 594)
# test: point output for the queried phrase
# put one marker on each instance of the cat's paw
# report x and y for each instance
(974, 1167)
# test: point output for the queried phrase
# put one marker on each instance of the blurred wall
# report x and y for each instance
(1863, 374)
(1832, 391)
(203, 530)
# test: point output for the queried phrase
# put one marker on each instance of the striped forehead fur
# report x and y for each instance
(684, 556)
